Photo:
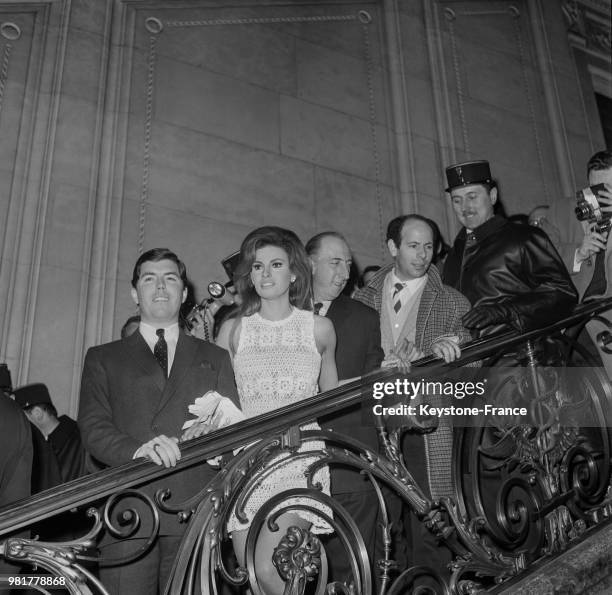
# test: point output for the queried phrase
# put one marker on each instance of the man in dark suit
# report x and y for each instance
(15, 463)
(358, 352)
(135, 395)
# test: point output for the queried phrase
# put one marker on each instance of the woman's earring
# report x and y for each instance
(292, 279)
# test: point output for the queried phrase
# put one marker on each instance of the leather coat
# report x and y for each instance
(514, 265)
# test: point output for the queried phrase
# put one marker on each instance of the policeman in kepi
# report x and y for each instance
(511, 274)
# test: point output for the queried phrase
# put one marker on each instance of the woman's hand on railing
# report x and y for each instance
(199, 428)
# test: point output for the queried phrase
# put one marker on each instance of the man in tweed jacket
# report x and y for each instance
(428, 319)
(419, 316)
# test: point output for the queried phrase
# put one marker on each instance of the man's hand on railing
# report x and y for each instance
(446, 348)
(162, 450)
(401, 357)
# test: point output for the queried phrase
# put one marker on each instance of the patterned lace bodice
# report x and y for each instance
(276, 362)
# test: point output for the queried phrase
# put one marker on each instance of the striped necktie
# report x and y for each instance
(397, 306)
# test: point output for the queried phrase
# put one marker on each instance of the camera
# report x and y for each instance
(588, 208)
(221, 294)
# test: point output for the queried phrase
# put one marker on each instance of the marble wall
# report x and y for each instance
(129, 124)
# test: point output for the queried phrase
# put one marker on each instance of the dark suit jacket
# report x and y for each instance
(358, 352)
(566, 234)
(125, 402)
(15, 452)
(15, 464)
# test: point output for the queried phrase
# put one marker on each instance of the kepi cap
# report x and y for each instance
(470, 172)
(32, 394)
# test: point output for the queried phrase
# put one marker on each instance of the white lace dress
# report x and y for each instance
(276, 364)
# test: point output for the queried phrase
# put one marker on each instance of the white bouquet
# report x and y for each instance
(214, 410)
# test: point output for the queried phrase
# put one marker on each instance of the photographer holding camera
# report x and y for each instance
(583, 240)
(591, 253)
(205, 318)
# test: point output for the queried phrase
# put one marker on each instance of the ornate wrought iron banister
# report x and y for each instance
(567, 462)
(106, 482)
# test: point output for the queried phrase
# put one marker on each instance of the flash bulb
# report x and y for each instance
(216, 289)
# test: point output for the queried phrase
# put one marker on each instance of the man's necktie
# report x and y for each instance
(470, 240)
(597, 286)
(160, 351)
(397, 306)
(317, 307)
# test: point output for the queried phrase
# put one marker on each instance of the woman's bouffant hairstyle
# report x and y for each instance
(300, 291)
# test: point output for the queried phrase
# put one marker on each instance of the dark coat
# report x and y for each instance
(68, 449)
(515, 265)
(15, 463)
(358, 352)
(15, 452)
(59, 459)
(125, 402)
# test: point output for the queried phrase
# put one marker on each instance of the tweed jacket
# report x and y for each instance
(440, 310)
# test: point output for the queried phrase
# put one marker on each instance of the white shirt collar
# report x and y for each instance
(412, 285)
(171, 335)
(149, 332)
(324, 307)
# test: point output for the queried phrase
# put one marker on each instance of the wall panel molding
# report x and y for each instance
(43, 61)
(131, 128)
(468, 41)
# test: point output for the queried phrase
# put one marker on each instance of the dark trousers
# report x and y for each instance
(148, 574)
(363, 507)
(421, 546)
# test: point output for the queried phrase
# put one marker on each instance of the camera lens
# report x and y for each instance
(583, 212)
(604, 226)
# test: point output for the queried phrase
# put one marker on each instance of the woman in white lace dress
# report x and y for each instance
(282, 353)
